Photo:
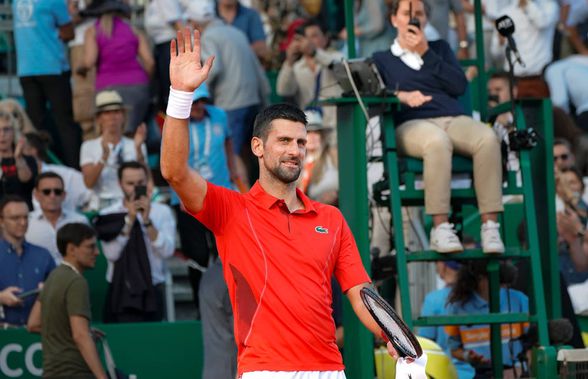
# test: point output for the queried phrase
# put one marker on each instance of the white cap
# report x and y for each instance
(200, 10)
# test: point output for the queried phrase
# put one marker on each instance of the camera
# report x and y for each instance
(522, 139)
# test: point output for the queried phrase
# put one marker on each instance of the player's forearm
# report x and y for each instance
(361, 311)
(175, 150)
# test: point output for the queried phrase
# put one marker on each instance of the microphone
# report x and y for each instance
(506, 28)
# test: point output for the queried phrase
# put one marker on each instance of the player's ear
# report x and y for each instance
(257, 146)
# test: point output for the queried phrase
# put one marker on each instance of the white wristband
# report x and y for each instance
(179, 103)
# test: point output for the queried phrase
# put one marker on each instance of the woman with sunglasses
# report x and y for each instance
(19, 171)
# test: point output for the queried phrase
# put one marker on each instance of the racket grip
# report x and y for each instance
(384, 336)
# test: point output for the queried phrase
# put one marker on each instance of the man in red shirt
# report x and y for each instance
(279, 249)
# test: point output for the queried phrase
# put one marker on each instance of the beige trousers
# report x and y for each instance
(435, 139)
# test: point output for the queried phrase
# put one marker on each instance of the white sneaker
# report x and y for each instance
(491, 241)
(444, 240)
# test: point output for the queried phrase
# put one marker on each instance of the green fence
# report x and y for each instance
(150, 350)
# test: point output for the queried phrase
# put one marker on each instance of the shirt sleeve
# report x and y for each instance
(429, 308)
(349, 269)
(77, 299)
(87, 154)
(165, 223)
(255, 28)
(219, 204)
(446, 69)
(169, 10)
(60, 12)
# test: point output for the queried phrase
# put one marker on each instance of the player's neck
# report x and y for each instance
(281, 190)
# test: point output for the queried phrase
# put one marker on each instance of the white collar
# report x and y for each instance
(70, 266)
(410, 58)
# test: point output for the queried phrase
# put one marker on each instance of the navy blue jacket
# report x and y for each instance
(441, 76)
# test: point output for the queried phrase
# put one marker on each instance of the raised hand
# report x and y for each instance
(186, 71)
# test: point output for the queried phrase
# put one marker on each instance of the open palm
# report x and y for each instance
(186, 72)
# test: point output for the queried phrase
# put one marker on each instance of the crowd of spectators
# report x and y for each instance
(93, 81)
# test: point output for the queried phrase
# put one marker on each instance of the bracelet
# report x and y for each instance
(179, 104)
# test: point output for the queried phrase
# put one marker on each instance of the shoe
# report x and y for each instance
(491, 241)
(444, 240)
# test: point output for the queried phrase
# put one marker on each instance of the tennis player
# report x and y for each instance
(278, 248)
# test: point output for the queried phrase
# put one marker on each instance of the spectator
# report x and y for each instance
(566, 79)
(40, 30)
(121, 55)
(563, 157)
(427, 79)
(211, 154)
(78, 196)
(535, 26)
(83, 89)
(18, 170)
(320, 177)
(23, 266)
(306, 74)
(435, 304)
(137, 251)
(162, 19)
(372, 31)
(62, 313)
(101, 157)
(23, 122)
(471, 343)
(438, 14)
(247, 20)
(237, 82)
(45, 221)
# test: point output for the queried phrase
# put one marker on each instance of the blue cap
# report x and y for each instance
(201, 93)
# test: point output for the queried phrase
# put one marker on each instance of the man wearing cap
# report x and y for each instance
(101, 157)
(237, 81)
(40, 30)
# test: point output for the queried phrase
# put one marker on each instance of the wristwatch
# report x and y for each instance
(463, 44)
(147, 223)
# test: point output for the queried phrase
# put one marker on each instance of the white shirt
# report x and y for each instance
(77, 195)
(42, 233)
(159, 17)
(157, 251)
(534, 31)
(107, 187)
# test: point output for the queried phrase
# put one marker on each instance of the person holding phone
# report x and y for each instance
(432, 124)
(23, 266)
(137, 251)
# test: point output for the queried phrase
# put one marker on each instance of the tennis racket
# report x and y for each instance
(393, 327)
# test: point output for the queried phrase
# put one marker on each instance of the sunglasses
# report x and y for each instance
(563, 157)
(48, 191)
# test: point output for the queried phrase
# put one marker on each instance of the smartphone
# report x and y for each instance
(413, 20)
(140, 191)
(26, 294)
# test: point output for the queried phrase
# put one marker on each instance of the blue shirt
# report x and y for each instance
(26, 272)
(39, 50)
(435, 304)
(207, 148)
(248, 21)
(441, 77)
(477, 337)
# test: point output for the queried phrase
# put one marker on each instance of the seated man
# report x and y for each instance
(43, 222)
(23, 266)
(137, 250)
(432, 124)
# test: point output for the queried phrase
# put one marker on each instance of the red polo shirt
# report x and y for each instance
(278, 267)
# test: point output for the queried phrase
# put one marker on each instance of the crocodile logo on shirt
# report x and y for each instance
(320, 229)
